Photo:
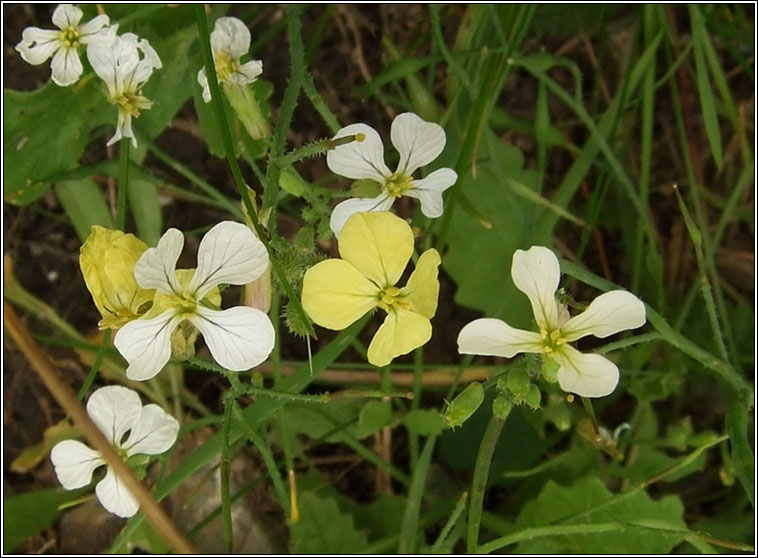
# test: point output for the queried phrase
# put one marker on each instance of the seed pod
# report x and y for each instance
(464, 405)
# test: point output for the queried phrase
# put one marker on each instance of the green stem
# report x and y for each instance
(210, 68)
(225, 472)
(123, 181)
(479, 482)
(96, 366)
(452, 520)
(409, 530)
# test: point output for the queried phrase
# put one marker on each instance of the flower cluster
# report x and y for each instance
(124, 62)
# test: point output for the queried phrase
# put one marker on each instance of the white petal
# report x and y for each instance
(429, 191)
(66, 66)
(102, 58)
(145, 66)
(123, 128)
(609, 313)
(230, 35)
(114, 496)
(239, 338)
(536, 273)
(114, 410)
(585, 374)
(66, 15)
(154, 433)
(156, 268)
(229, 253)
(203, 81)
(251, 70)
(74, 463)
(37, 45)
(346, 209)
(146, 344)
(359, 159)
(418, 142)
(96, 29)
(488, 336)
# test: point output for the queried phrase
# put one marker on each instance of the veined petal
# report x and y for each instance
(536, 273)
(239, 338)
(94, 29)
(228, 253)
(102, 58)
(401, 332)
(230, 35)
(66, 66)
(250, 71)
(146, 344)
(37, 45)
(609, 313)
(67, 15)
(585, 374)
(418, 142)
(378, 244)
(336, 294)
(345, 209)
(74, 463)
(423, 288)
(359, 159)
(114, 410)
(156, 268)
(145, 66)
(114, 496)
(202, 79)
(492, 337)
(429, 191)
(154, 432)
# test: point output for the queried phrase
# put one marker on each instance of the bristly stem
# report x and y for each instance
(123, 181)
(210, 68)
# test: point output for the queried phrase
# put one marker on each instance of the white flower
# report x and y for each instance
(418, 143)
(37, 45)
(536, 272)
(124, 72)
(230, 40)
(115, 410)
(238, 338)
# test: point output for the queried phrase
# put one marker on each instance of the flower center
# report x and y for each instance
(390, 297)
(130, 103)
(225, 65)
(70, 37)
(396, 185)
(185, 304)
(551, 341)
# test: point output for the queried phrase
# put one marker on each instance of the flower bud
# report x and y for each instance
(107, 260)
(460, 409)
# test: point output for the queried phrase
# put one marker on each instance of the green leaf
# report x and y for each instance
(324, 529)
(84, 204)
(145, 206)
(27, 514)
(424, 422)
(41, 140)
(487, 286)
(374, 416)
(650, 526)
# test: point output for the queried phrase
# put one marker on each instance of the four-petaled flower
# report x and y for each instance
(375, 250)
(124, 72)
(239, 338)
(536, 272)
(115, 410)
(418, 143)
(37, 45)
(230, 40)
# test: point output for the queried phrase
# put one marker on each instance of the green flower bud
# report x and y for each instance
(464, 405)
(501, 407)
(534, 397)
(550, 370)
(519, 382)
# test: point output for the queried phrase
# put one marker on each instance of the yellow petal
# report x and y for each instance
(107, 260)
(401, 332)
(379, 244)
(423, 288)
(335, 294)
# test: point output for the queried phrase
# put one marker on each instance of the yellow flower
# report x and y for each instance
(107, 261)
(375, 248)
